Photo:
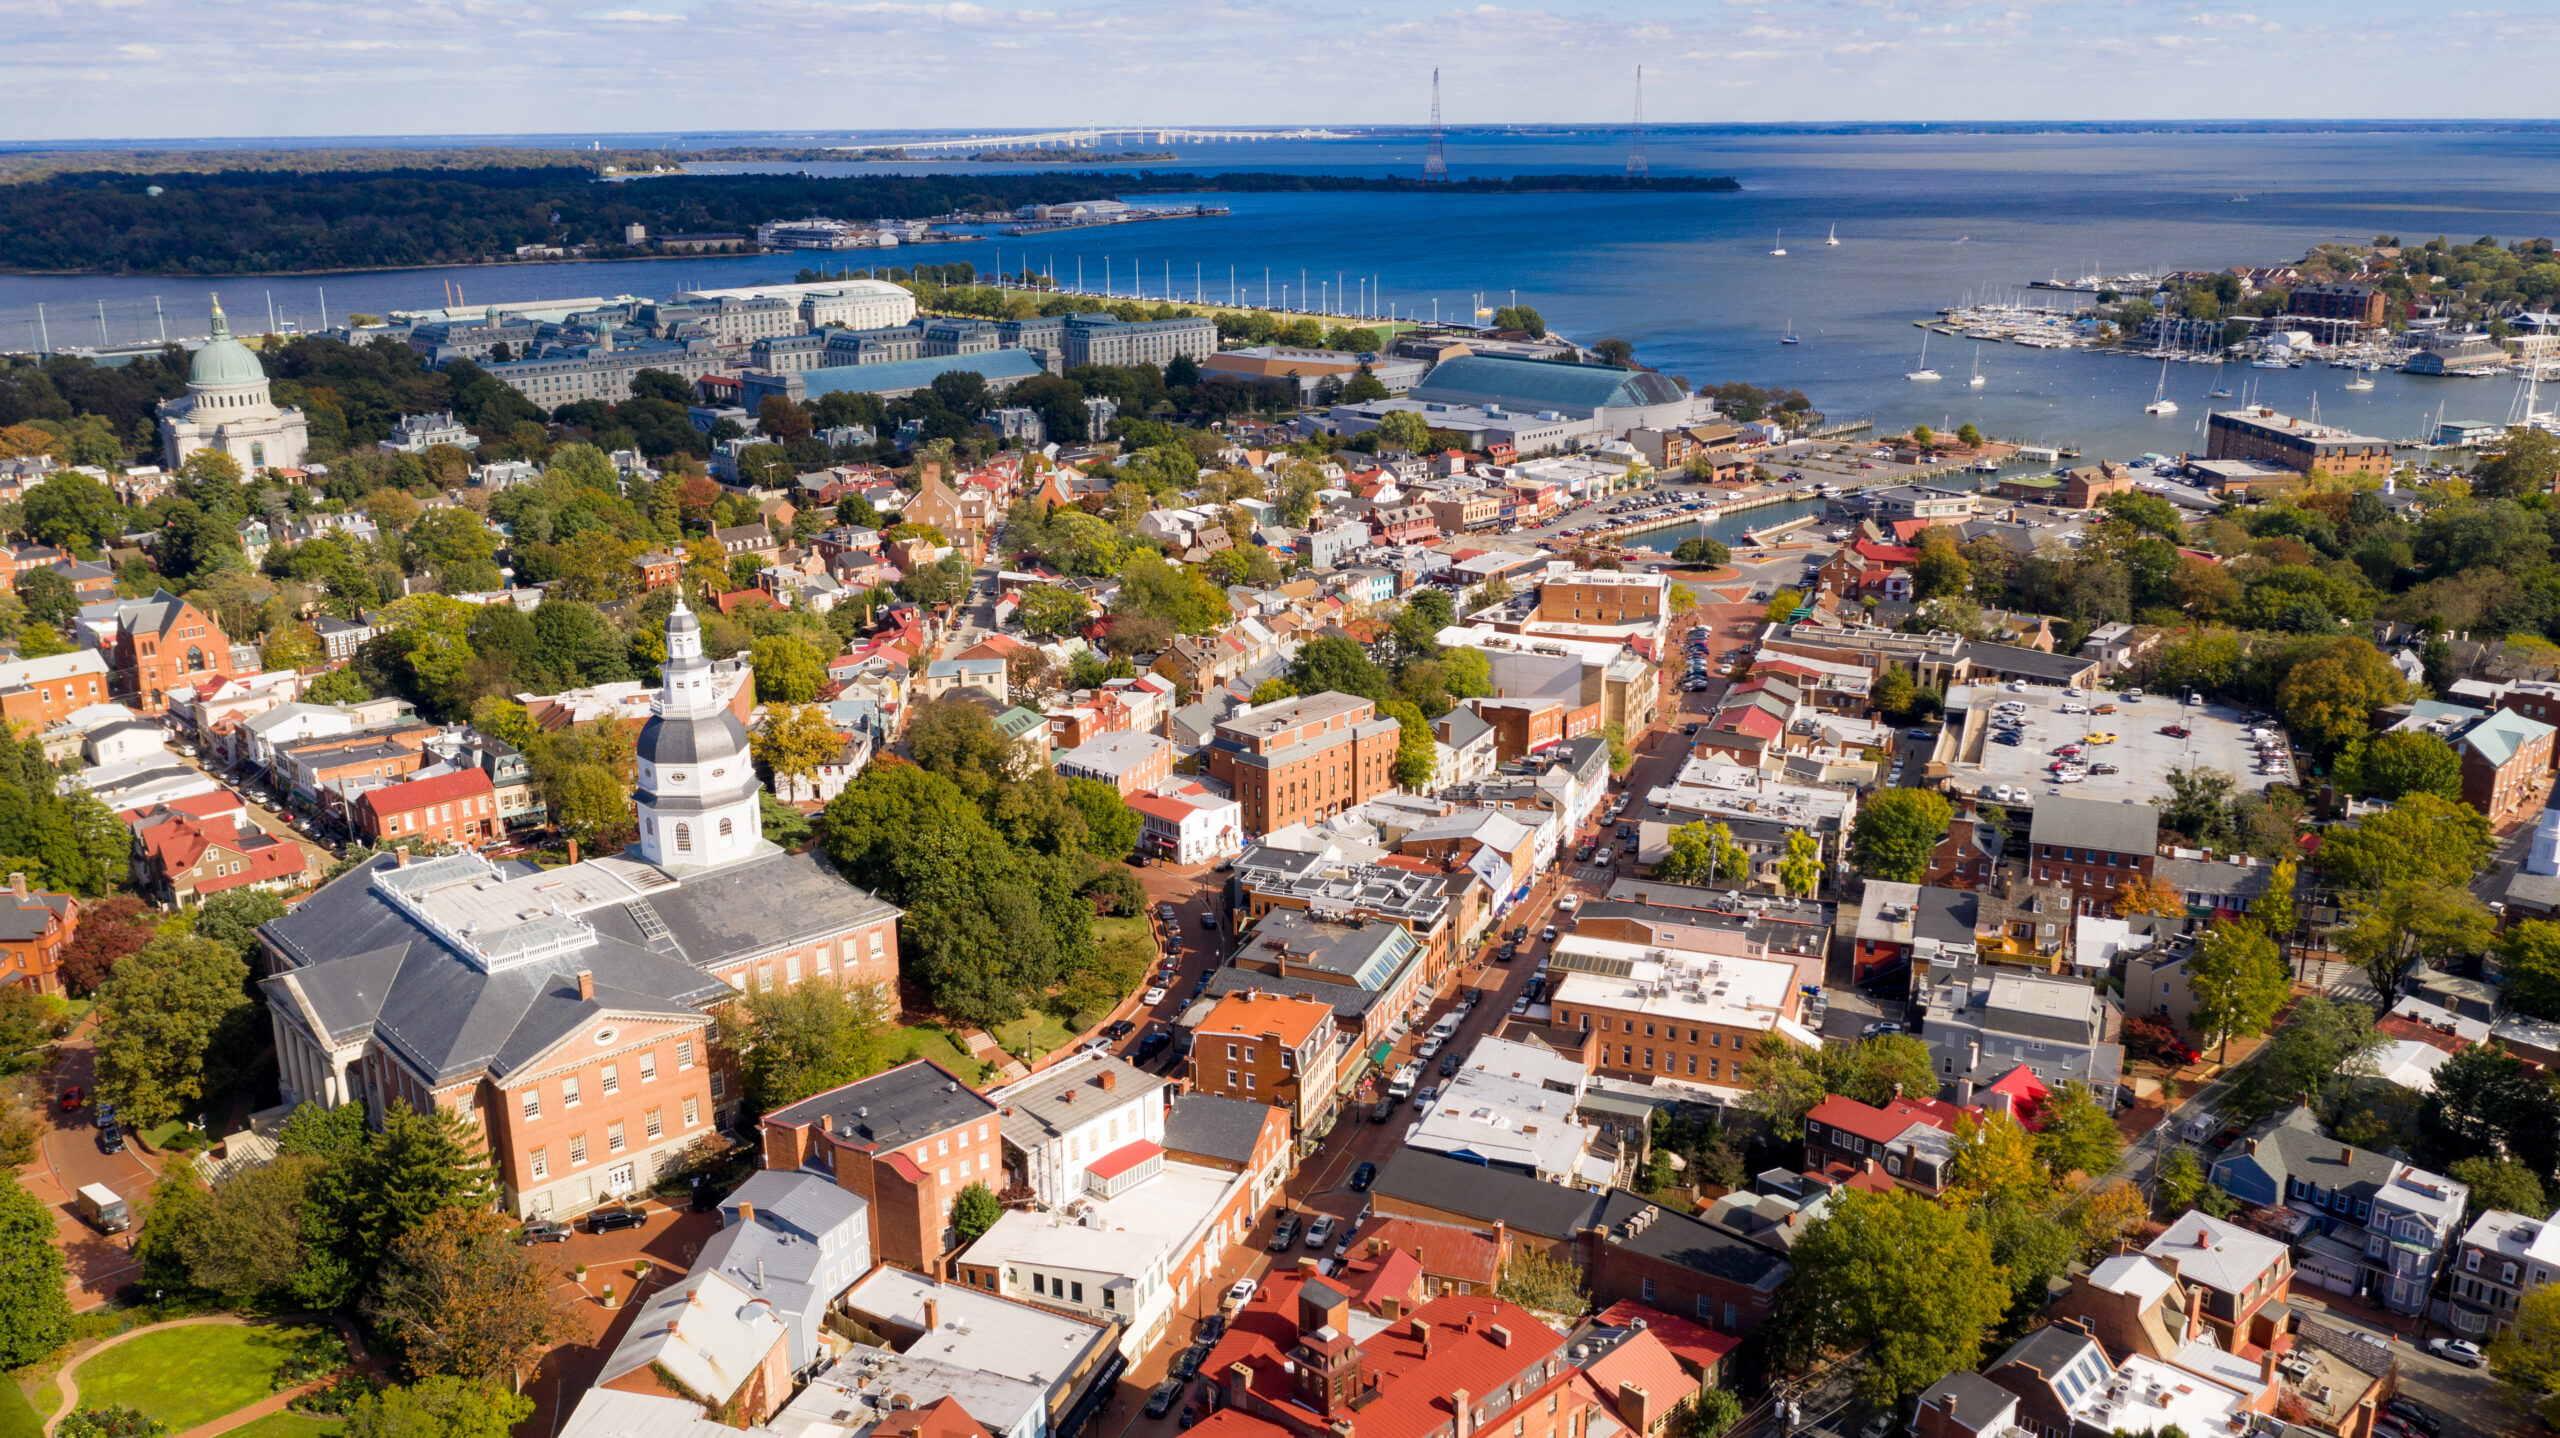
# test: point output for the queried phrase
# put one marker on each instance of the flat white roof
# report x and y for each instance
(1142, 1230)
(2147, 1395)
(1671, 983)
(979, 1329)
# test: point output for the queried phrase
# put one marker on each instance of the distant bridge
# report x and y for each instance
(1092, 138)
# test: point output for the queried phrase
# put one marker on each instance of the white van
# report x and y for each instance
(1400, 1087)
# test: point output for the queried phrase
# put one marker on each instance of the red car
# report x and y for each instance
(72, 1098)
(2174, 731)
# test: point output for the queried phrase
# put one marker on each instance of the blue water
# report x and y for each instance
(1924, 221)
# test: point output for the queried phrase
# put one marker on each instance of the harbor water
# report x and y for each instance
(1924, 221)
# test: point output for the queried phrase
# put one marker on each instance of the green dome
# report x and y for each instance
(224, 360)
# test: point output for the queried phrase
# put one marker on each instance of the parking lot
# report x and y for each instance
(2140, 753)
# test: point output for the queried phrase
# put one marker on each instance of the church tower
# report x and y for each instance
(698, 798)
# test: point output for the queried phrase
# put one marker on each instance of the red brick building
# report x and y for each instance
(1268, 1048)
(907, 1140)
(457, 808)
(37, 692)
(35, 927)
(1638, 1251)
(164, 643)
(1304, 759)
(2504, 759)
(1906, 1139)
(185, 860)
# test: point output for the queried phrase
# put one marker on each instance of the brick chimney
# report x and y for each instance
(586, 978)
(404, 854)
(573, 852)
(1110, 1080)
(1636, 1407)
(18, 885)
(1465, 1420)
(746, 1213)
(932, 1315)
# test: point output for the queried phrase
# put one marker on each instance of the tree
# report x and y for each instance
(2143, 894)
(2407, 922)
(1782, 607)
(159, 1014)
(1800, 869)
(974, 1212)
(2239, 980)
(1897, 831)
(2199, 806)
(2181, 1180)
(2075, 1133)
(795, 740)
(1417, 752)
(2421, 839)
(2528, 964)
(1940, 571)
(231, 918)
(1338, 665)
(1995, 1159)
(2329, 700)
(1049, 611)
(1702, 551)
(1876, 1071)
(459, 1296)
(1897, 693)
(2107, 1214)
(2527, 462)
(1543, 1284)
(2400, 762)
(787, 669)
(2274, 909)
(35, 1316)
(1709, 1414)
(593, 805)
(1909, 1281)
(1111, 826)
(2499, 1183)
(109, 930)
(804, 1039)
(2322, 1042)
(439, 1407)
(2526, 1356)
(1704, 853)
(245, 1240)
(1780, 1086)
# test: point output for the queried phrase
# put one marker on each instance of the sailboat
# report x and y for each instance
(1790, 337)
(1924, 374)
(2362, 381)
(1977, 381)
(1835, 236)
(1781, 246)
(2160, 401)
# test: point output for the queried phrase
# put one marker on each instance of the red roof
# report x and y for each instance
(1694, 1344)
(1414, 1385)
(1748, 719)
(419, 793)
(1648, 1363)
(2026, 1093)
(194, 806)
(1886, 553)
(1393, 1274)
(1124, 1158)
(942, 1418)
(1883, 1125)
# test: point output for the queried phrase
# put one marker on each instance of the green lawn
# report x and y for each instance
(292, 1425)
(1043, 1033)
(186, 1376)
(18, 1417)
(924, 1041)
(1133, 931)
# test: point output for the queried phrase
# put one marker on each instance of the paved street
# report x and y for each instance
(67, 1157)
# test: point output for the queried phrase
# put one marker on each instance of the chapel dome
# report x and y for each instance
(224, 361)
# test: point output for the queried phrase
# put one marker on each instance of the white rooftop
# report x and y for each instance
(2216, 1254)
(1673, 984)
(1134, 1234)
(2147, 1395)
(978, 1329)
(2135, 1276)
(2517, 1236)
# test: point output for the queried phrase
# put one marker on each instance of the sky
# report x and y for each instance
(130, 69)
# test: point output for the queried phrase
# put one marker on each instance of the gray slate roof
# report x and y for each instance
(1690, 1242)
(914, 1100)
(362, 964)
(1214, 1126)
(2290, 1146)
(2066, 822)
(1546, 1210)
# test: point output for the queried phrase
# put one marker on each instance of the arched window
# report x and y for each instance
(727, 828)
(684, 838)
(195, 659)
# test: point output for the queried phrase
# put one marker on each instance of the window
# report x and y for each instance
(684, 1054)
(692, 1111)
(612, 1079)
(727, 828)
(1648, 1290)
(540, 1163)
(1079, 1292)
(684, 838)
(569, 1091)
(649, 1066)
(532, 1104)
(790, 962)
(720, 1083)
(613, 1140)
(577, 1148)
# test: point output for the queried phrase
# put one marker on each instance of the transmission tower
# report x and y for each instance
(1635, 151)
(1435, 164)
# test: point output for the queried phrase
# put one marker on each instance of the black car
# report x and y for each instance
(1382, 1110)
(616, 1215)
(2417, 1415)
(1187, 1362)
(1151, 1045)
(1160, 1402)
(1361, 1176)
(1285, 1235)
(1626, 831)
(1121, 1029)
(1583, 854)
(1448, 1063)
(1508, 953)
(1211, 1327)
(543, 1230)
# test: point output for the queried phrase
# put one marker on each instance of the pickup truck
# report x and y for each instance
(1401, 1086)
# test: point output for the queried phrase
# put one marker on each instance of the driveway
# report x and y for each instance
(68, 1157)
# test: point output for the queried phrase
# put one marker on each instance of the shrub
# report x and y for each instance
(116, 1422)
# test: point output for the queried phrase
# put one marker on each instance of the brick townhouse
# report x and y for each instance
(2095, 847)
(907, 1140)
(456, 808)
(164, 643)
(35, 927)
(1304, 759)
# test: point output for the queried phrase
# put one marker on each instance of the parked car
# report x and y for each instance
(1285, 1234)
(1320, 1232)
(1509, 952)
(1120, 1030)
(2414, 1413)
(72, 1098)
(1429, 1047)
(1187, 1362)
(110, 1133)
(542, 1230)
(1152, 997)
(1382, 1110)
(611, 1216)
(1161, 1401)
(2175, 731)
(2456, 1350)
(1876, 1031)
(1448, 1063)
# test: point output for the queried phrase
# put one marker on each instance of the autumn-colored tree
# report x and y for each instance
(2143, 894)
(458, 1296)
(1995, 1158)
(109, 930)
(2109, 1213)
(795, 740)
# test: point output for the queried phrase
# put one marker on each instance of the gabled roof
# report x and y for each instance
(417, 793)
(2503, 735)
(1449, 1185)
(2219, 1255)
